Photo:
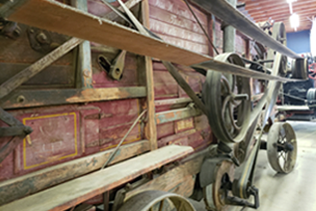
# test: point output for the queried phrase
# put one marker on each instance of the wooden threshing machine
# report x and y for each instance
(132, 106)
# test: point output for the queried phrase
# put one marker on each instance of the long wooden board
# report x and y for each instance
(33, 98)
(49, 14)
(68, 194)
(25, 185)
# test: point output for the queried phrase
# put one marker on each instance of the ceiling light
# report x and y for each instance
(294, 21)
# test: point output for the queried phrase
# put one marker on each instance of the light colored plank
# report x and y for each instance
(178, 180)
(19, 187)
(151, 132)
(68, 194)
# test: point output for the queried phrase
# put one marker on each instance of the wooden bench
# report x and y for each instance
(69, 194)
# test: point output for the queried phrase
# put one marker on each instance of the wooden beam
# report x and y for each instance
(83, 68)
(151, 132)
(71, 193)
(19, 187)
(177, 114)
(33, 98)
(18, 79)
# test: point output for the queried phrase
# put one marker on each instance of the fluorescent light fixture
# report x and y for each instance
(294, 21)
(290, 5)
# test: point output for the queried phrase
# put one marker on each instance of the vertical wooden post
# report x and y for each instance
(210, 34)
(151, 131)
(84, 69)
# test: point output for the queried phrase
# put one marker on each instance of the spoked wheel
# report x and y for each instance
(214, 193)
(153, 200)
(282, 147)
(227, 98)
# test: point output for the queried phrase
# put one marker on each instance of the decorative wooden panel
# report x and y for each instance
(55, 137)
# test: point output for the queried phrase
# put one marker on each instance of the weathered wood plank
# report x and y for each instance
(32, 98)
(179, 180)
(38, 66)
(68, 194)
(19, 187)
(168, 116)
(84, 68)
(151, 132)
(174, 101)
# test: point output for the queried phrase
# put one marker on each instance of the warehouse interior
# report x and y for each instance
(157, 105)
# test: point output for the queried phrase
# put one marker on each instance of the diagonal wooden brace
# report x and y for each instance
(21, 77)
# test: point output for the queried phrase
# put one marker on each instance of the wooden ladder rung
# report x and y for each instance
(69, 194)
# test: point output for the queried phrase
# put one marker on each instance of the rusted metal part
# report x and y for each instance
(35, 98)
(148, 199)
(41, 41)
(11, 84)
(116, 69)
(226, 12)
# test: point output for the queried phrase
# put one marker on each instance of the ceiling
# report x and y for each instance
(278, 10)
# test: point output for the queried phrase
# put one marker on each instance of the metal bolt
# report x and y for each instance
(20, 99)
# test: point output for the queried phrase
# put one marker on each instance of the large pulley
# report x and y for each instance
(154, 200)
(215, 193)
(227, 98)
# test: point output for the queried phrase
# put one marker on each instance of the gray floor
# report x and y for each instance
(295, 191)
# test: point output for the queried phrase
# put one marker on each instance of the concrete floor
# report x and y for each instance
(295, 191)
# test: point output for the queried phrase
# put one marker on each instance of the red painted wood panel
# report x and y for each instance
(174, 23)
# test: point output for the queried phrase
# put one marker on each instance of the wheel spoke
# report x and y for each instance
(161, 205)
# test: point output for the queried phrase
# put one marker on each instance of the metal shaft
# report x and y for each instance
(229, 33)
